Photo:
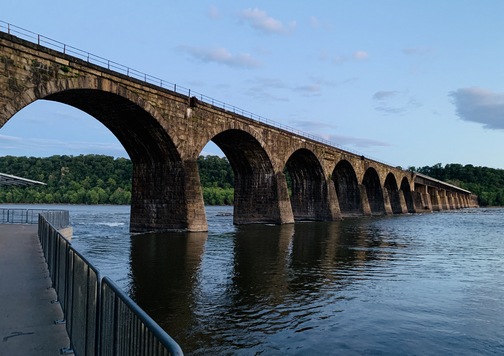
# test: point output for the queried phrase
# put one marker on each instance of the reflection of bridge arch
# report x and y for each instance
(347, 188)
(164, 131)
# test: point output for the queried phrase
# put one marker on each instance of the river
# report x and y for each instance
(427, 284)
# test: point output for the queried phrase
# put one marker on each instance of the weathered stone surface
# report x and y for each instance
(164, 132)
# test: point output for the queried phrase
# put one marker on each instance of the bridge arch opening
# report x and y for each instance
(408, 196)
(159, 176)
(347, 189)
(308, 187)
(393, 194)
(371, 182)
(256, 190)
(54, 131)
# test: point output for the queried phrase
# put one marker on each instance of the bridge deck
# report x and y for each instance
(26, 314)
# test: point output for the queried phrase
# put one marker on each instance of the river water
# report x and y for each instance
(427, 284)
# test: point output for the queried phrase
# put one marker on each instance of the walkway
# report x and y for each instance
(26, 314)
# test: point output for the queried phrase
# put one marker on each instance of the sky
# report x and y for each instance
(409, 83)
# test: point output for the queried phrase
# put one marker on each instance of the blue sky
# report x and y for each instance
(410, 83)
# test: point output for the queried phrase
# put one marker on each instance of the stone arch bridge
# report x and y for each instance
(164, 131)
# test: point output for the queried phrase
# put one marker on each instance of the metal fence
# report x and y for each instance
(100, 318)
(58, 218)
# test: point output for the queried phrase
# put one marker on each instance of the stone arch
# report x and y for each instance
(347, 189)
(159, 175)
(309, 191)
(374, 191)
(393, 193)
(139, 132)
(259, 191)
(408, 196)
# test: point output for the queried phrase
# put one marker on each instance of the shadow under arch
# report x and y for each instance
(158, 171)
(374, 191)
(408, 196)
(309, 195)
(347, 189)
(256, 190)
(393, 193)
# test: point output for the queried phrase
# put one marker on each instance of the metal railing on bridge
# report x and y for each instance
(100, 318)
(149, 79)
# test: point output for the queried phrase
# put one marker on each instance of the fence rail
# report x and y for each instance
(149, 79)
(58, 218)
(100, 318)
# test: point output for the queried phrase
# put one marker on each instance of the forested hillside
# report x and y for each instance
(98, 179)
(487, 183)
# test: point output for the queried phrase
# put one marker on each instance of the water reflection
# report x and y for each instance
(424, 284)
(228, 291)
(163, 270)
(261, 255)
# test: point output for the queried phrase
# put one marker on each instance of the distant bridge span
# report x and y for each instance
(164, 132)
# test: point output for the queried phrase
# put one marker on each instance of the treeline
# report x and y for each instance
(217, 180)
(98, 179)
(84, 179)
(486, 183)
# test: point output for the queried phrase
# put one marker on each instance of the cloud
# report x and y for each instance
(356, 141)
(480, 105)
(262, 89)
(380, 95)
(309, 89)
(259, 20)
(313, 125)
(394, 102)
(320, 129)
(316, 85)
(28, 146)
(344, 58)
(360, 55)
(316, 24)
(222, 56)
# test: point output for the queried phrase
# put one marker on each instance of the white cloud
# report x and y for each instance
(481, 106)
(222, 56)
(261, 21)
